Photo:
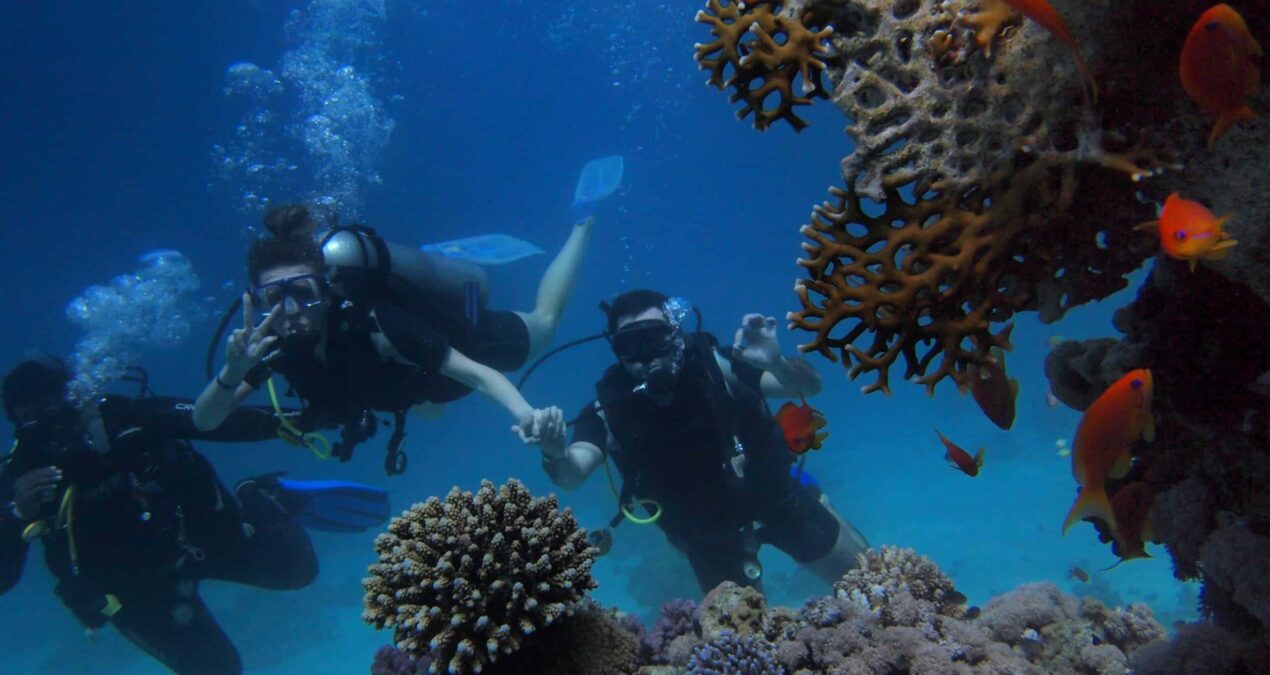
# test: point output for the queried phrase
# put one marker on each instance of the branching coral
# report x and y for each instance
(467, 578)
(767, 51)
(732, 654)
(900, 587)
(977, 188)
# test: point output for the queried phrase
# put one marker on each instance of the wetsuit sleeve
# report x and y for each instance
(745, 373)
(413, 337)
(169, 417)
(590, 428)
(12, 548)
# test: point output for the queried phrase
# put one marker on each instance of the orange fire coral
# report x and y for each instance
(766, 49)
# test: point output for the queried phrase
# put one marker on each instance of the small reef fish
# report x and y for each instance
(801, 425)
(1132, 506)
(1190, 232)
(994, 391)
(960, 459)
(1043, 13)
(1078, 574)
(1219, 67)
(1061, 447)
(1110, 425)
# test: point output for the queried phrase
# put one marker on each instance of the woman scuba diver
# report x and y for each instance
(357, 325)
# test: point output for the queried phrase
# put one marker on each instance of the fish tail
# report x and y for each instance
(1228, 119)
(979, 458)
(1091, 503)
(1087, 74)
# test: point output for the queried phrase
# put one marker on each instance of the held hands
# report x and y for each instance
(250, 344)
(755, 342)
(35, 489)
(544, 426)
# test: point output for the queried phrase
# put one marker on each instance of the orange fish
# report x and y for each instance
(1078, 574)
(1132, 506)
(1189, 231)
(1219, 67)
(960, 459)
(1043, 13)
(1106, 431)
(800, 425)
(994, 391)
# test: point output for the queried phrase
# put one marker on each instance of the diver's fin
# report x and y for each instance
(485, 249)
(334, 505)
(599, 179)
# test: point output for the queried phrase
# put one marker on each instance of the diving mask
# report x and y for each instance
(643, 341)
(295, 294)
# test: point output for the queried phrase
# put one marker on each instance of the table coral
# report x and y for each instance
(766, 51)
(466, 579)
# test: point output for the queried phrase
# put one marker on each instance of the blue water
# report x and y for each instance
(117, 127)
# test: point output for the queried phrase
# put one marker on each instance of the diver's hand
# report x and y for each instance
(755, 342)
(544, 425)
(249, 344)
(35, 489)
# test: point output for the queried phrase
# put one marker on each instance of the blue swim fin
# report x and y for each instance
(334, 505)
(599, 179)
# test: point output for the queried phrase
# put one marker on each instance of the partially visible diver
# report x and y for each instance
(358, 325)
(132, 518)
(697, 448)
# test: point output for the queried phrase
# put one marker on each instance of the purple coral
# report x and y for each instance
(732, 654)
(392, 661)
(678, 617)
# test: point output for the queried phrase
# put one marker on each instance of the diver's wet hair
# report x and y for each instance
(290, 241)
(34, 384)
(631, 303)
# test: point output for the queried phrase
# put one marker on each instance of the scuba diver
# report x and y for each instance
(132, 518)
(697, 448)
(357, 325)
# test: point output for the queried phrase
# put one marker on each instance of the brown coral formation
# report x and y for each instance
(899, 613)
(767, 51)
(978, 187)
(466, 579)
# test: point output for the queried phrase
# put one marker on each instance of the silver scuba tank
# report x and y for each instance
(441, 279)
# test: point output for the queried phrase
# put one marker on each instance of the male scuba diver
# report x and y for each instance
(132, 518)
(697, 448)
(357, 325)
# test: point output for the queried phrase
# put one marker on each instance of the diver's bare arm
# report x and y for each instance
(572, 468)
(245, 348)
(787, 378)
(217, 401)
(488, 381)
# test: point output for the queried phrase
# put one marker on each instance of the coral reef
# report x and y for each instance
(898, 612)
(392, 661)
(979, 187)
(588, 641)
(766, 51)
(466, 579)
(732, 654)
(677, 618)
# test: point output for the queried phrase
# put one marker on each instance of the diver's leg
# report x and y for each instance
(177, 629)
(556, 286)
(269, 549)
(719, 560)
(817, 536)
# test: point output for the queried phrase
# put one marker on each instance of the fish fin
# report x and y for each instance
(1091, 503)
(1192, 263)
(1148, 225)
(1014, 388)
(1124, 461)
(1220, 250)
(1148, 428)
(1085, 72)
(979, 458)
(1226, 120)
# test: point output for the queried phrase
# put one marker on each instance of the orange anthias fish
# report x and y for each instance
(801, 425)
(1219, 67)
(1190, 232)
(994, 391)
(1132, 506)
(1107, 430)
(1043, 13)
(960, 459)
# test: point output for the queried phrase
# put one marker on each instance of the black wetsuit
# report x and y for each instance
(355, 380)
(149, 521)
(684, 456)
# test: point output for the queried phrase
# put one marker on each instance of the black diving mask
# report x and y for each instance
(643, 341)
(295, 294)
